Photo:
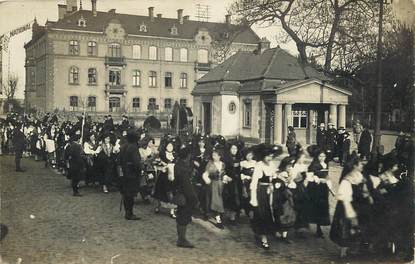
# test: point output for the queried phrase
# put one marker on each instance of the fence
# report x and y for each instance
(388, 121)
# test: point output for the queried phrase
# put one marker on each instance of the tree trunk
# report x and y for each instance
(330, 42)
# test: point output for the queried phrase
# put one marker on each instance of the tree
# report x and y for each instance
(330, 31)
(9, 89)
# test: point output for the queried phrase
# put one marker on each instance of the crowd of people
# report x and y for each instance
(221, 180)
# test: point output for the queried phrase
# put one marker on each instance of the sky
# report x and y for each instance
(15, 13)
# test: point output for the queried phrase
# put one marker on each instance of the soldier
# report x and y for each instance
(130, 162)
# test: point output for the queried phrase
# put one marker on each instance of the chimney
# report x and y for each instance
(263, 45)
(71, 6)
(159, 15)
(186, 18)
(228, 19)
(94, 7)
(180, 15)
(62, 11)
(151, 13)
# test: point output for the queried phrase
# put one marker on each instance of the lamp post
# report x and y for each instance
(379, 86)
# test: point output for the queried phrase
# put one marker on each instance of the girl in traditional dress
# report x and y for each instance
(200, 158)
(148, 154)
(283, 201)
(163, 190)
(233, 187)
(299, 172)
(107, 161)
(91, 149)
(247, 170)
(215, 177)
(318, 192)
(352, 200)
(261, 191)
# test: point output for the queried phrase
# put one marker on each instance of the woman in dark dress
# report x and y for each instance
(107, 162)
(163, 189)
(318, 193)
(291, 141)
(283, 204)
(247, 170)
(353, 199)
(233, 188)
(200, 157)
(264, 223)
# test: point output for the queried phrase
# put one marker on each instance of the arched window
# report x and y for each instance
(168, 54)
(183, 55)
(136, 52)
(203, 56)
(74, 75)
(152, 53)
(114, 50)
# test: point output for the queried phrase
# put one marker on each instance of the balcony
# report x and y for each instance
(115, 61)
(203, 66)
(115, 89)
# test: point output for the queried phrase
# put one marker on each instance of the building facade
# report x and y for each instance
(258, 95)
(105, 62)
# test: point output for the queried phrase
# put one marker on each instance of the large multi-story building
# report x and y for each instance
(111, 62)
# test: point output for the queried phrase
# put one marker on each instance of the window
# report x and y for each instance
(167, 104)
(299, 119)
(114, 50)
(174, 30)
(183, 55)
(82, 22)
(152, 79)
(92, 103)
(202, 56)
(183, 102)
(115, 77)
(168, 79)
(74, 75)
(92, 76)
(247, 114)
(136, 104)
(143, 28)
(73, 103)
(152, 53)
(136, 78)
(114, 104)
(183, 80)
(152, 103)
(136, 52)
(168, 54)
(92, 48)
(73, 47)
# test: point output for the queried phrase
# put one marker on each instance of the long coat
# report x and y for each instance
(321, 138)
(18, 140)
(75, 155)
(130, 162)
(364, 142)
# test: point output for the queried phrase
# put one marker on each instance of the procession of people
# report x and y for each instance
(221, 181)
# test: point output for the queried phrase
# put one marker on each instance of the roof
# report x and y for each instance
(274, 63)
(158, 27)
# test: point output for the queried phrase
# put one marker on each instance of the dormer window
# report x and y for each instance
(143, 28)
(174, 30)
(82, 22)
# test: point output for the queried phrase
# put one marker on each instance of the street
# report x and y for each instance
(48, 225)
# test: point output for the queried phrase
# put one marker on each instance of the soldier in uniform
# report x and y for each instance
(130, 162)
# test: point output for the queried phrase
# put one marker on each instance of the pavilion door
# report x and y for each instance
(207, 118)
(269, 123)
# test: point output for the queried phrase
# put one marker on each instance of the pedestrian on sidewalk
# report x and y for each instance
(185, 196)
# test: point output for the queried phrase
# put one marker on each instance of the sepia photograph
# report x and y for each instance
(207, 131)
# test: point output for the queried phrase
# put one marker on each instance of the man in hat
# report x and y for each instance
(108, 123)
(130, 162)
(331, 141)
(75, 155)
(345, 151)
(19, 143)
(339, 141)
(184, 188)
(125, 123)
(321, 137)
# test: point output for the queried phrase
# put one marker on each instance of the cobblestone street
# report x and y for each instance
(47, 225)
